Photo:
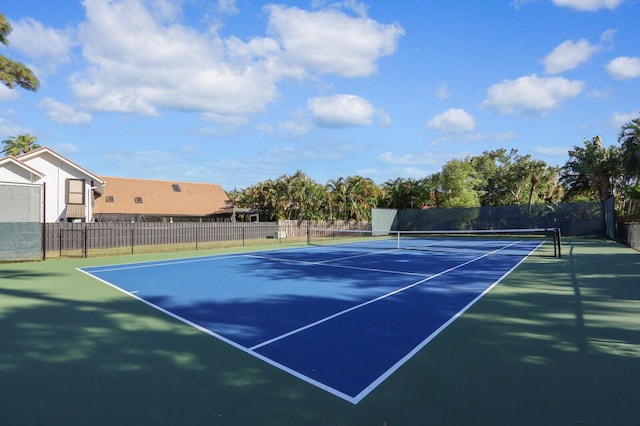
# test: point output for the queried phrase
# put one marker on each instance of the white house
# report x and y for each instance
(68, 190)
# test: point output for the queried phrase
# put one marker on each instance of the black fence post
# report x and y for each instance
(85, 249)
(44, 241)
(559, 243)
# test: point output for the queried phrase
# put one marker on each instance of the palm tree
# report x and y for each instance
(593, 170)
(629, 139)
(16, 145)
(402, 193)
(337, 193)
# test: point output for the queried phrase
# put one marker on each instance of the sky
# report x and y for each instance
(236, 92)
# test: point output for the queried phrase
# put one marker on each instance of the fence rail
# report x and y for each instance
(87, 239)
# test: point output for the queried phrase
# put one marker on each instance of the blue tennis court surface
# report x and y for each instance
(342, 318)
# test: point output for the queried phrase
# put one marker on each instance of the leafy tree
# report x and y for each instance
(510, 178)
(16, 145)
(593, 170)
(458, 183)
(14, 73)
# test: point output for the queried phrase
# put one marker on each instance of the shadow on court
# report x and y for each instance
(556, 342)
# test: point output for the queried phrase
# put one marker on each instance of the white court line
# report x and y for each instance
(151, 264)
(387, 250)
(433, 335)
(368, 302)
(326, 264)
(355, 256)
(295, 373)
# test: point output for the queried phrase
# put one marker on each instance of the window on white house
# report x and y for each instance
(75, 191)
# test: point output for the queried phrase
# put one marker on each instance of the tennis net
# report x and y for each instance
(520, 242)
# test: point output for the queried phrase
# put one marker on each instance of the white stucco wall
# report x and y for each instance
(14, 173)
(56, 172)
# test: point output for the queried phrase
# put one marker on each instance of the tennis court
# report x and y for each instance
(343, 315)
(555, 342)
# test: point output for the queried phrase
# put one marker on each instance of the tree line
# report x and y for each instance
(499, 177)
(593, 172)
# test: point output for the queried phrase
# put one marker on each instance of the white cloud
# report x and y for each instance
(418, 159)
(383, 118)
(226, 120)
(329, 41)
(141, 59)
(505, 136)
(517, 4)
(341, 111)
(8, 128)
(604, 94)
(7, 94)
(357, 7)
(619, 119)
(227, 6)
(552, 150)
(292, 129)
(47, 46)
(442, 92)
(588, 5)
(158, 164)
(607, 36)
(67, 148)
(624, 67)
(531, 94)
(568, 55)
(453, 120)
(63, 113)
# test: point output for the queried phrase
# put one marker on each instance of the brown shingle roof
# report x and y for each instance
(158, 198)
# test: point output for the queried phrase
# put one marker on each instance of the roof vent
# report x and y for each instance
(108, 199)
(138, 200)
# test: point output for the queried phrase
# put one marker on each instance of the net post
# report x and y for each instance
(559, 243)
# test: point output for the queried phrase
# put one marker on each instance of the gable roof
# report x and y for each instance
(18, 165)
(40, 152)
(159, 198)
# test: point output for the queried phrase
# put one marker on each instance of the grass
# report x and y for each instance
(555, 343)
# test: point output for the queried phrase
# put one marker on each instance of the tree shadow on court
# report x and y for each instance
(23, 274)
(554, 343)
(99, 358)
(549, 345)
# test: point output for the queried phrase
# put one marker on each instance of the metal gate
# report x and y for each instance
(21, 221)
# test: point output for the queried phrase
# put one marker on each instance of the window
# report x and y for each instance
(75, 191)
(138, 200)
(108, 199)
(176, 187)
